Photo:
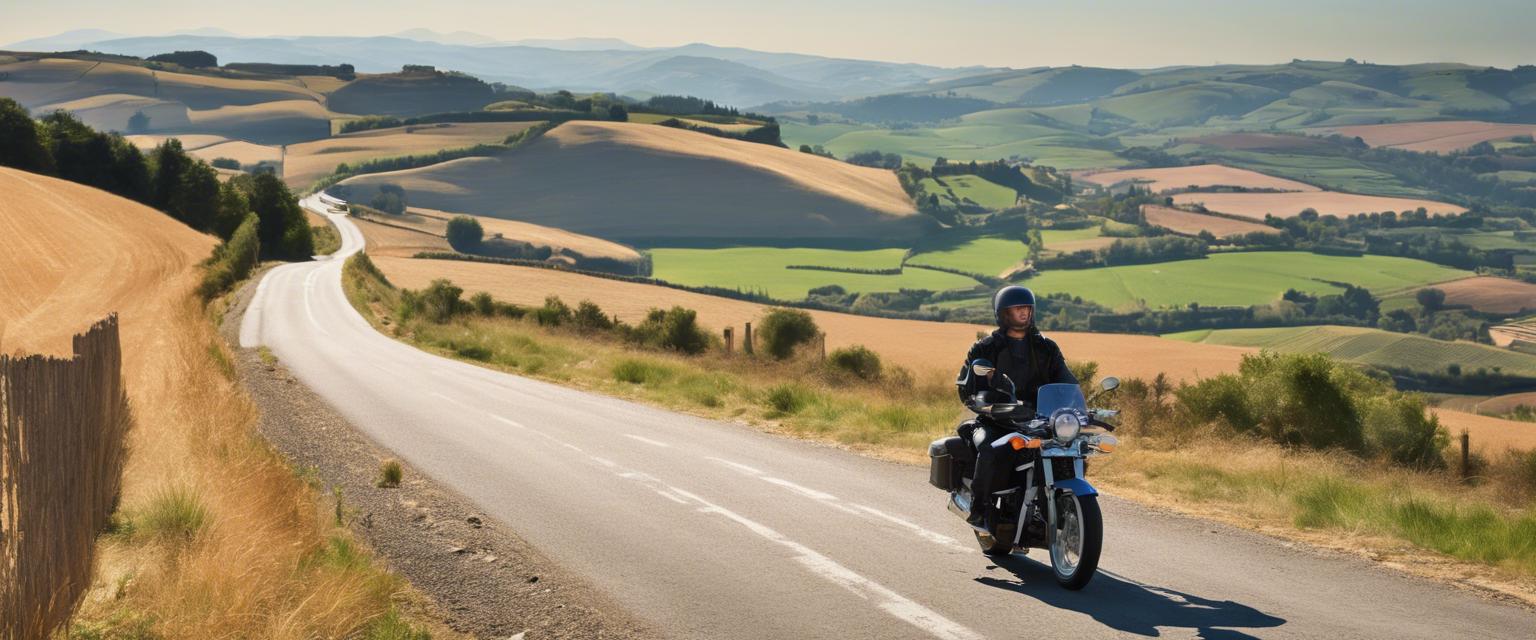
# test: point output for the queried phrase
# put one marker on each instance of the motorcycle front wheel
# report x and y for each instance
(1076, 540)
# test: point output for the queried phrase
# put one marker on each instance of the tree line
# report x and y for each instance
(167, 178)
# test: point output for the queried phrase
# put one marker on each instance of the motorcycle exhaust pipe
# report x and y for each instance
(955, 506)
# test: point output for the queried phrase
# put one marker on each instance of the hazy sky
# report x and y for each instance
(1016, 33)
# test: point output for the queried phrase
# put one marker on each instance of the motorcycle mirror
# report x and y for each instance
(982, 368)
(1110, 383)
(1009, 388)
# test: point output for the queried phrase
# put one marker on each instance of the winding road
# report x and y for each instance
(715, 530)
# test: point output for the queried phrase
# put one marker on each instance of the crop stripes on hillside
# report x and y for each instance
(63, 425)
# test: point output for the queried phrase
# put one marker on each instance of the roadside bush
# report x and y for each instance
(676, 329)
(483, 303)
(856, 360)
(233, 260)
(783, 330)
(465, 234)
(438, 303)
(590, 317)
(1312, 401)
(788, 399)
(554, 313)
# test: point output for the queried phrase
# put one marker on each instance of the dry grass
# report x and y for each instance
(269, 121)
(1287, 205)
(219, 538)
(310, 161)
(1191, 223)
(1437, 137)
(385, 240)
(627, 181)
(1205, 175)
(1490, 294)
(1504, 404)
(920, 346)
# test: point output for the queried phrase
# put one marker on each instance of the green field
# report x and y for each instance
(1336, 173)
(1371, 347)
(762, 269)
(1238, 279)
(955, 190)
(988, 256)
(1057, 236)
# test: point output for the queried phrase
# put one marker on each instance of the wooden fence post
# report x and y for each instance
(746, 340)
(729, 339)
(1466, 455)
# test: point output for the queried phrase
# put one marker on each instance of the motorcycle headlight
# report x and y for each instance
(1066, 425)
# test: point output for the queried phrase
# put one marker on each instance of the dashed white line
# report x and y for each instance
(655, 443)
(737, 466)
(889, 601)
(932, 536)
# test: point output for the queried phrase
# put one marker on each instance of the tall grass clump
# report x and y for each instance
(232, 260)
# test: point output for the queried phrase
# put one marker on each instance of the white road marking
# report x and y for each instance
(889, 601)
(802, 490)
(932, 536)
(738, 466)
(309, 310)
(648, 441)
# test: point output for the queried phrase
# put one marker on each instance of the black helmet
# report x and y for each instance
(1010, 296)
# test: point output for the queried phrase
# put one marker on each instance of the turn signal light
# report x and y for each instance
(1025, 443)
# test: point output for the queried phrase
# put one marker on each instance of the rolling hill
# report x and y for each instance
(645, 183)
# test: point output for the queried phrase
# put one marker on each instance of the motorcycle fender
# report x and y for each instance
(1077, 486)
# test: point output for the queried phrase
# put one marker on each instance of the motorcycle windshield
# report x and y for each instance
(1059, 396)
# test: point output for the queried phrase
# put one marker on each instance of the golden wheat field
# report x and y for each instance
(1197, 176)
(629, 181)
(309, 161)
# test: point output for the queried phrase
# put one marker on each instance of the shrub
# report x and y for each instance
(465, 234)
(439, 302)
(857, 360)
(226, 163)
(233, 259)
(638, 371)
(783, 330)
(483, 303)
(676, 329)
(174, 513)
(589, 317)
(788, 399)
(389, 474)
(553, 314)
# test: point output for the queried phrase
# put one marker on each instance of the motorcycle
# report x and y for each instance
(1047, 502)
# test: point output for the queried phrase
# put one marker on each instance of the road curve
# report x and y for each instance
(714, 530)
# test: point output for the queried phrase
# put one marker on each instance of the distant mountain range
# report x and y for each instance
(735, 76)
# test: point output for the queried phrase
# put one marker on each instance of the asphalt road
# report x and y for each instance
(714, 530)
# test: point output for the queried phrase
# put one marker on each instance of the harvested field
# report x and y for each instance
(425, 229)
(189, 142)
(917, 345)
(1288, 205)
(1488, 434)
(1191, 223)
(1505, 335)
(1436, 137)
(634, 182)
(1198, 176)
(310, 161)
(1501, 405)
(1491, 294)
(139, 259)
(245, 152)
(112, 111)
(322, 84)
(282, 122)
(392, 241)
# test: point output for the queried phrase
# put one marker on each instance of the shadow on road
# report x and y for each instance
(1132, 607)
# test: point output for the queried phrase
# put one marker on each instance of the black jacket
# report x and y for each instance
(1045, 365)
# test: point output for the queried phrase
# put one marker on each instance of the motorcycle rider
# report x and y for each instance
(1029, 360)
